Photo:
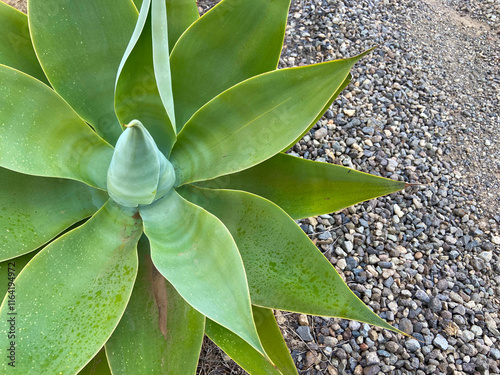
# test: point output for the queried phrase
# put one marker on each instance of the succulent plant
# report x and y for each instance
(146, 198)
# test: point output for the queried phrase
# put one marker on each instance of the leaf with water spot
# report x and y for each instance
(305, 188)
(156, 321)
(197, 255)
(72, 294)
(66, 148)
(27, 201)
(285, 270)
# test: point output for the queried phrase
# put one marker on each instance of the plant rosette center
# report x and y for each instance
(139, 174)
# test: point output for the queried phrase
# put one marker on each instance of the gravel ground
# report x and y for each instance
(422, 108)
(487, 11)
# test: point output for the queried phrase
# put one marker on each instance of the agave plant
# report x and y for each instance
(145, 196)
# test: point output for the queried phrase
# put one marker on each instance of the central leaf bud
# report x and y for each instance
(138, 173)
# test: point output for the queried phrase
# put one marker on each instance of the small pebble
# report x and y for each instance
(440, 342)
(304, 333)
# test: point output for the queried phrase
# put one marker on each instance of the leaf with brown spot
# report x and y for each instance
(158, 283)
(147, 339)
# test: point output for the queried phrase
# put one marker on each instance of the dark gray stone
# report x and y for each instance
(406, 326)
(389, 282)
(304, 333)
(351, 263)
(422, 296)
(371, 370)
(436, 305)
(385, 264)
(412, 345)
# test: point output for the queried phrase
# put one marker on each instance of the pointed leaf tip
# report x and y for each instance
(277, 106)
(138, 173)
(180, 234)
(145, 67)
(305, 188)
(307, 282)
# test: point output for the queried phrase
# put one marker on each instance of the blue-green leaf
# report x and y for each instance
(141, 84)
(138, 173)
(197, 255)
(285, 270)
(33, 210)
(161, 56)
(159, 333)
(72, 294)
(16, 49)
(80, 45)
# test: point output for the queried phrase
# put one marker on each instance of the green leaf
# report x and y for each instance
(285, 270)
(33, 210)
(137, 94)
(305, 188)
(246, 356)
(72, 294)
(234, 41)
(196, 253)
(138, 3)
(161, 56)
(138, 172)
(80, 45)
(66, 148)
(9, 270)
(264, 113)
(97, 366)
(16, 49)
(156, 321)
(327, 105)
(273, 342)
(181, 14)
